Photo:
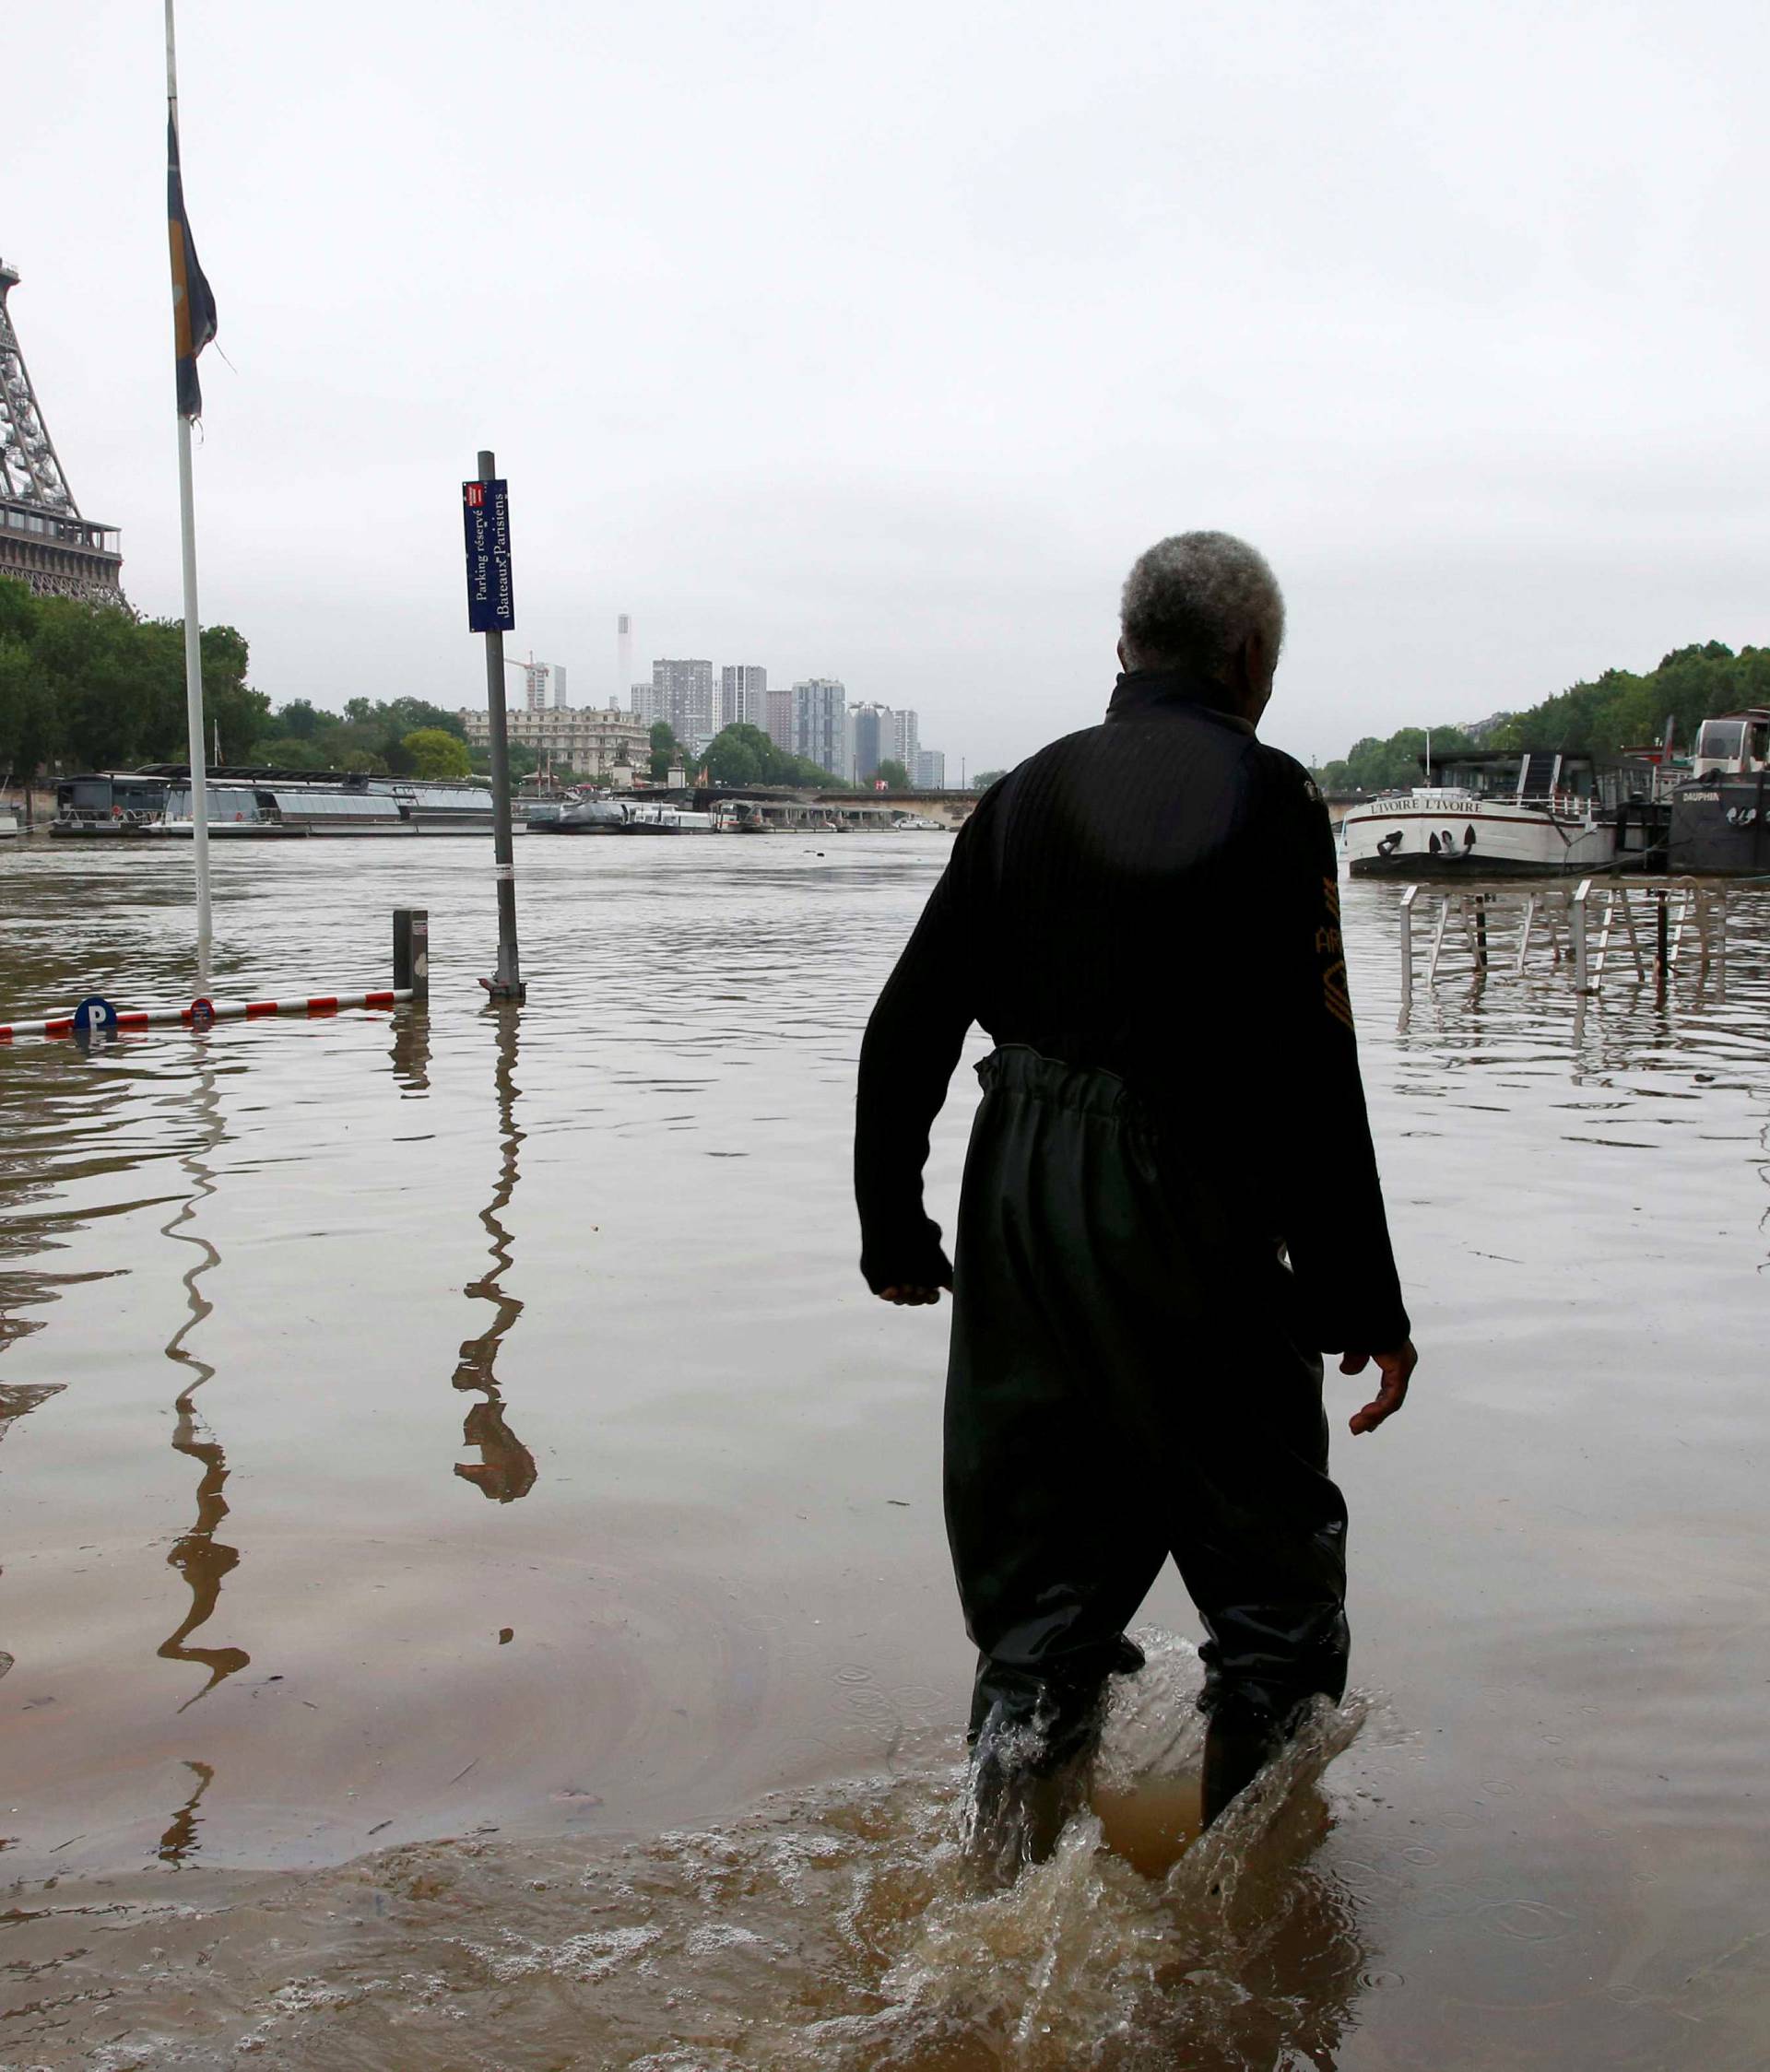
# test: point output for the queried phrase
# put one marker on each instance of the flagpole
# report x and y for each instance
(193, 638)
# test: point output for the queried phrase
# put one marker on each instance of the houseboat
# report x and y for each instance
(108, 804)
(248, 804)
(1498, 813)
(1718, 813)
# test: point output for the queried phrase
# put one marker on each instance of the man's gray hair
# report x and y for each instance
(1191, 602)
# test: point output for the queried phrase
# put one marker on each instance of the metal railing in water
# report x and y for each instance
(1655, 932)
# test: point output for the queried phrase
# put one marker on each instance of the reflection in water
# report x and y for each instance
(410, 1052)
(201, 1558)
(505, 1469)
(180, 1838)
(22, 1396)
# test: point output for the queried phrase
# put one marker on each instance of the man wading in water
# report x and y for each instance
(1171, 1205)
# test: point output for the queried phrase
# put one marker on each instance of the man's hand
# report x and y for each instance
(1397, 1369)
(908, 1296)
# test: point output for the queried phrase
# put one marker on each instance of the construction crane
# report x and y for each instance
(535, 676)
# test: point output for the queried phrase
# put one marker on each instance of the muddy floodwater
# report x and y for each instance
(472, 1585)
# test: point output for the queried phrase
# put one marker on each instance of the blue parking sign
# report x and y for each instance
(485, 508)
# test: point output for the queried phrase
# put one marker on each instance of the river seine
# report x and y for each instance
(473, 1593)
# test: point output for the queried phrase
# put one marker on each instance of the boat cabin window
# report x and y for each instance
(337, 806)
(226, 802)
(1720, 741)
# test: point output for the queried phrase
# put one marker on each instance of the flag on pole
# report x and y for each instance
(192, 304)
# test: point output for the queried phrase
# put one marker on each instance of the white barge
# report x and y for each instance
(1499, 814)
(266, 804)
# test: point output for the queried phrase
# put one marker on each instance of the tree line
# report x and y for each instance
(87, 687)
(1618, 710)
(96, 688)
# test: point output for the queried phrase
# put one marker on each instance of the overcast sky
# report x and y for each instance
(876, 342)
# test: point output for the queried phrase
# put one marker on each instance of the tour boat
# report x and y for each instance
(268, 805)
(1544, 821)
(585, 815)
(8, 824)
(665, 819)
(1721, 815)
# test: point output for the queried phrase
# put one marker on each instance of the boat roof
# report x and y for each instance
(335, 780)
(1482, 756)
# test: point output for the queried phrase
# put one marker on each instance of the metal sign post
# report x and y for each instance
(492, 611)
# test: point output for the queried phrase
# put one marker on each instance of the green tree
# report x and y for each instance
(437, 753)
(26, 714)
(408, 714)
(108, 687)
(897, 779)
(299, 720)
(665, 750)
(985, 778)
(742, 754)
(739, 755)
(288, 751)
(524, 760)
(1616, 710)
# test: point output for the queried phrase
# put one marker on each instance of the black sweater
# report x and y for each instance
(1155, 895)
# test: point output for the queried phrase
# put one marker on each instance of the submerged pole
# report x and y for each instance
(491, 610)
(412, 951)
(193, 635)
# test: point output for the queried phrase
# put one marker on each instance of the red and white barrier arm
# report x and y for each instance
(199, 1013)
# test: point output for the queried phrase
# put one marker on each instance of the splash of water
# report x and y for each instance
(842, 1928)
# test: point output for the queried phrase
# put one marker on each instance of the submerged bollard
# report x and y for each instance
(1408, 898)
(412, 951)
(1577, 922)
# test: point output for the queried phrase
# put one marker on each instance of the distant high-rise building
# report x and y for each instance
(905, 739)
(875, 739)
(557, 674)
(685, 688)
(821, 724)
(930, 771)
(534, 685)
(646, 702)
(623, 654)
(742, 690)
(777, 721)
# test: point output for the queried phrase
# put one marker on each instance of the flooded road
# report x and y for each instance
(472, 1586)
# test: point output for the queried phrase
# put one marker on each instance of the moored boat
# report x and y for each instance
(1526, 814)
(247, 804)
(108, 804)
(586, 815)
(665, 819)
(1721, 815)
